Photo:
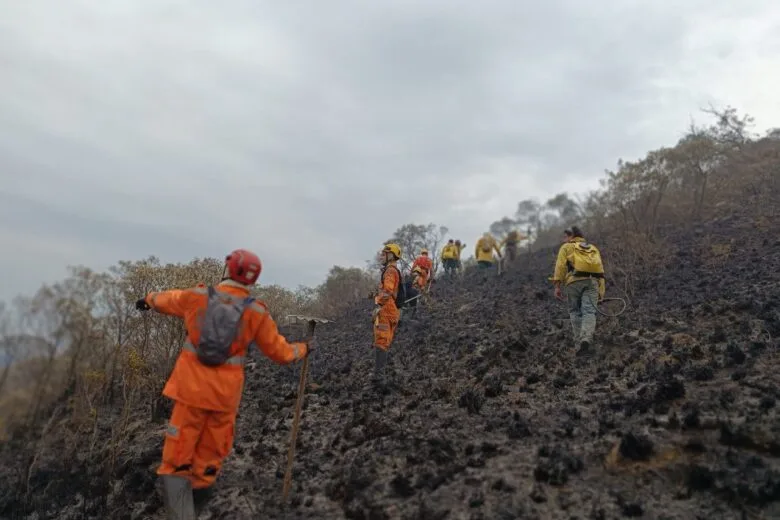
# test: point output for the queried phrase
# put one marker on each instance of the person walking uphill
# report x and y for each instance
(208, 378)
(386, 313)
(484, 251)
(450, 254)
(510, 244)
(460, 246)
(422, 270)
(579, 268)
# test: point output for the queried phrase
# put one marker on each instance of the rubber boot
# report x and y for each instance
(177, 497)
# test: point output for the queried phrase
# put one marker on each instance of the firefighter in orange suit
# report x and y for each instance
(206, 396)
(386, 313)
(421, 270)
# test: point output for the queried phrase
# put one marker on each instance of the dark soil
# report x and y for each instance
(491, 415)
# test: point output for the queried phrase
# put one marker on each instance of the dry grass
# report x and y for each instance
(629, 259)
(19, 396)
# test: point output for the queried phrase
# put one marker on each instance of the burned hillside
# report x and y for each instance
(489, 413)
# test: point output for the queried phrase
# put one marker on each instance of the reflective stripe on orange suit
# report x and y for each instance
(387, 319)
(196, 443)
(200, 432)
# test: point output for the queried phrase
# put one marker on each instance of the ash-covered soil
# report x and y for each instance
(491, 415)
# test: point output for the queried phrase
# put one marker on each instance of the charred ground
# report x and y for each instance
(490, 415)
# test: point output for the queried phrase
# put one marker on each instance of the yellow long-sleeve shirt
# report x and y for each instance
(450, 252)
(491, 245)
(562, 275)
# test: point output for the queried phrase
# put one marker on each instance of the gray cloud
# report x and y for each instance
(310, 132)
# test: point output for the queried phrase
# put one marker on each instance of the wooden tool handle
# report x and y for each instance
(294, 433)
(297, 416)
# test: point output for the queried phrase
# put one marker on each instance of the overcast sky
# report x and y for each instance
(309, 131)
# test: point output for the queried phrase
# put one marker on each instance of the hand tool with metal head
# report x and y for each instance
(311, 323)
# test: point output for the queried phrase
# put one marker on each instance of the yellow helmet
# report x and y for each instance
(423, 251)
(392, 248)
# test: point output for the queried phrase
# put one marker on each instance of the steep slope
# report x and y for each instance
(490, 415)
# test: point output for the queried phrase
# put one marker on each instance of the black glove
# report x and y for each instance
(141, 305)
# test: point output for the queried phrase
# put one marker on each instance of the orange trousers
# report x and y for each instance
(196, 443)
(385, 324)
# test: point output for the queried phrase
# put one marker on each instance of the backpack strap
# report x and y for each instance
(232, 360)
(245, 303)
(400, 279)
(394, 267)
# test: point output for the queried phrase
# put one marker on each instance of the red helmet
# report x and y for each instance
(243, 266)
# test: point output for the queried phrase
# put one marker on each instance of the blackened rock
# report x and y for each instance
(636, 447)
(735, 354)
(538, 494)
(551, 472)
(699, 478)
(515, 342)
(701, 373)
(518, 427)
(493, 386)
(502, 485)
(476, 499)
(533, 378)
(401, 486)
(555, 465)
(669, 390)
(632, 509)
(735, 435)
(471, 401)
(691, 416)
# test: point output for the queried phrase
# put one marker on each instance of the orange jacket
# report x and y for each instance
(388, 286)
(219, 388)
(424, 262)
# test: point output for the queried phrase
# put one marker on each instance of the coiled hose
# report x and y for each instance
(610, 314)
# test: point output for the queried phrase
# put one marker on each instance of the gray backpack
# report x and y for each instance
(219, 326)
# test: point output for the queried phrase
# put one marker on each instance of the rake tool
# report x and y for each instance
(412, 298)
(311, 322)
